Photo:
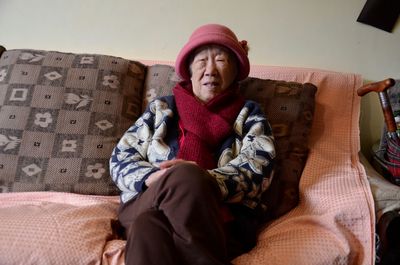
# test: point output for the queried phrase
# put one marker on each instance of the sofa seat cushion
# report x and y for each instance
(55, 228)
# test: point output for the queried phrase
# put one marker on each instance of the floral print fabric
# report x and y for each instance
(60, 116)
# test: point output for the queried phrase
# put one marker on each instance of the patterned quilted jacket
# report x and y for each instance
(244, 159)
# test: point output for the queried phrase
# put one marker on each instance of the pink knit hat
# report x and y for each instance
(213, 34)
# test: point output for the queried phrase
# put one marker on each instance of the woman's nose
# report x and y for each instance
(211, 69)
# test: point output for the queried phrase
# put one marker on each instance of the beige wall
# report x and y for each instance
(307, 33)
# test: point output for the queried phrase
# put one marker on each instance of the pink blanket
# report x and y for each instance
(333, 223)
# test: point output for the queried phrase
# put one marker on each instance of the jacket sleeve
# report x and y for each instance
(129, 164)
(245, 167)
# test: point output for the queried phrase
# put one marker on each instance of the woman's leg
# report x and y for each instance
(152, 242)
(184, 204)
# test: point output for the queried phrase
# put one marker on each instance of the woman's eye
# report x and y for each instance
(221, 59)
(201, 60)
(198, 64)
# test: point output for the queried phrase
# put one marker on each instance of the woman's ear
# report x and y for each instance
(235, 62)
(189, 62)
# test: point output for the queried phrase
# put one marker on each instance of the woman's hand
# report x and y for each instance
(173, 162)
(154, 177)
(164, 166)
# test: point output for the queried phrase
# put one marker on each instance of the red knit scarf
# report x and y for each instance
(205, 126)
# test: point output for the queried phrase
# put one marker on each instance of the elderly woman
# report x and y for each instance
(192, 169)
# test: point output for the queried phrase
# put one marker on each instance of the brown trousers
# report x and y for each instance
(177, 220)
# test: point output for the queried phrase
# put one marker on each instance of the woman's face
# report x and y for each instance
(213, 70)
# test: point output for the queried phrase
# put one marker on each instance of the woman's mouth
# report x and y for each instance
(211, 85)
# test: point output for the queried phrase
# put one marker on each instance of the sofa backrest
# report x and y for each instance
(61, 114)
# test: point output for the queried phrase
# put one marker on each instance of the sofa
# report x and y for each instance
(62, 113)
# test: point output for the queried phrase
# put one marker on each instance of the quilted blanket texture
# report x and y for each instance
(334, 221)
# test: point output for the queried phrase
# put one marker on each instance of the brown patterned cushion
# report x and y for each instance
(289, 107)
(160, 80)
(61, 114)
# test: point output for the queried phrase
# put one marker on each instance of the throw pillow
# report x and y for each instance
(160, 80)
(289, 107)
(61, 114)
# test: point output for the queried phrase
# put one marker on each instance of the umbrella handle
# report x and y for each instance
(380, 86)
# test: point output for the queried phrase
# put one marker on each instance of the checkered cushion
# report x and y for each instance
(60, 116)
